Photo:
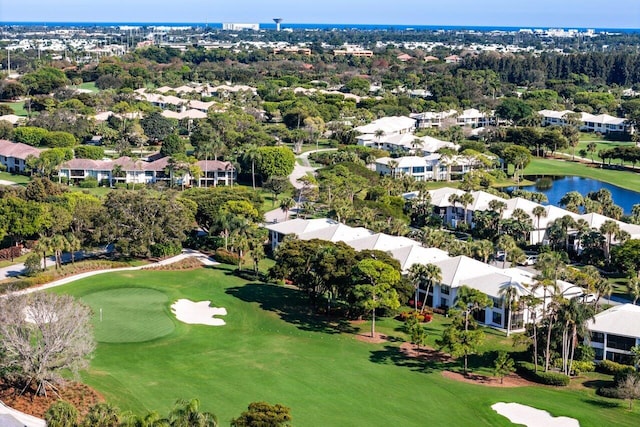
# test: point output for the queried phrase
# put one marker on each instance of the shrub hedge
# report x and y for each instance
(527, 370)
(226, 257)
(613, 368)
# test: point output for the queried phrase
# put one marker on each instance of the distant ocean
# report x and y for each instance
(284, 25)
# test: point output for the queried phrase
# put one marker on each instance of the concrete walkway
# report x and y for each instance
(10, 417)
(187, 253)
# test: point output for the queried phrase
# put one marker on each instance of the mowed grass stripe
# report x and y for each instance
(129, 315)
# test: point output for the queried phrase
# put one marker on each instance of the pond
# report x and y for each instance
(561, 185)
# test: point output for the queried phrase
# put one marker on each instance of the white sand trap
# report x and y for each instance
(198, 313)
(532, 417)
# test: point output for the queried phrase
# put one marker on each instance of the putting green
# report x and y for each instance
(129, 315)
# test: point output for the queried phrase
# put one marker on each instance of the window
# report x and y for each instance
(497, 318)
(597, 337)
(620, 343)
(444, 302)
(625, 359)
(444, 289)
(497, 302)
(599, 353)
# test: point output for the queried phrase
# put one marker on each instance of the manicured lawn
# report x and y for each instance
(18, 108)
(18, 179)
(273, 350)
(624, 179)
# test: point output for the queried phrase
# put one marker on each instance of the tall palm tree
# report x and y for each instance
(418, 276)
(635, 214)
(539, 212)
(433, 275)
(379, 133)
(59, 244)
(509, 296)
(497, 206)
(73, 244)
(393, 166)
(508, 245)
(465, 200)
(252, 154)
(574, 315)
(609, 229)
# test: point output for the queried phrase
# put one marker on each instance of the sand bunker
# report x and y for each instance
(198, 313)
(532, 417)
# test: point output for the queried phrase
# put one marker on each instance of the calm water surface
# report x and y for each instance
(563, 184)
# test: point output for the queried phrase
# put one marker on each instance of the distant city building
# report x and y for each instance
(240, 26)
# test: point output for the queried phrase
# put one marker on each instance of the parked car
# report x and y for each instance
(530, 258)
(499, 256)
(586, 298)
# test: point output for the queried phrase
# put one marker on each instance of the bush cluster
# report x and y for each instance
(226, 257)
(527, 370)
(613, 368)
(422, 317)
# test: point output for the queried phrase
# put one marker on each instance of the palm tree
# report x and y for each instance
(591, 148)
(508, 245)
(634, 288)
(482, 249)
(117, 172)
(42, 246)
(609, 229)
(509, 296)
(58, 245)
(286, 204)
(418, 276)
(102, 415)
(379, 133)
(539, 212)
(465, 200)
(393, 166)
(603, 288)
(186, 413)
(252, 154)
(497, 206)
(635, 214)
(572, 201)
(574, 315)
(433, 275)
(73, 245)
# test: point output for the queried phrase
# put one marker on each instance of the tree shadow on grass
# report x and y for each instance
(420, 360)
(603, 403)
(292, 307)
(596, 384)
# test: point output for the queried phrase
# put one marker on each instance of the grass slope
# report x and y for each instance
(271, 350)
(624, 179)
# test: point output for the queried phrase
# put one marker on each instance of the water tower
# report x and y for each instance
(277, 21)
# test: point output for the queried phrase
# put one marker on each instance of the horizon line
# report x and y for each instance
(96, 22)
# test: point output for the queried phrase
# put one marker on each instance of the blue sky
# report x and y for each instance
(531, 13)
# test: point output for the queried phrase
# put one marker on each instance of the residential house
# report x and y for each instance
(602, 123)
(614, 332)
(130, 171)
(388, 126)
(13, 155)
(455, 272)
(427, 168)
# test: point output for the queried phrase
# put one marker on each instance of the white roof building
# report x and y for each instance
(389, 125)
(614, 332)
